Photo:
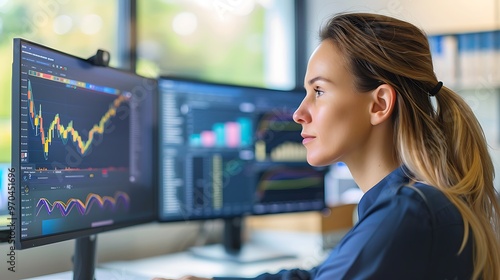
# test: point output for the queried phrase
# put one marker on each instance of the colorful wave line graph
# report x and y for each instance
(67, 133)
(83, 207)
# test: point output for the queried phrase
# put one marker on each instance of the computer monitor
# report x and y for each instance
(83, 138)
(229, 151)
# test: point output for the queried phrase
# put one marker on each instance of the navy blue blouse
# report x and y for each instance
(402, 233)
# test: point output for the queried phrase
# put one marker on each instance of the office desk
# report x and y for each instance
(180, 264)
(306, 247)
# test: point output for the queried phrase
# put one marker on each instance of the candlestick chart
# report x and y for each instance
(66, 128)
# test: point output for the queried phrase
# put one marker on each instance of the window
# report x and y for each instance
(245, 42)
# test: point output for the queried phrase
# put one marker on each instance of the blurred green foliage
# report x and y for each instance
(226, 44)
(36, 21)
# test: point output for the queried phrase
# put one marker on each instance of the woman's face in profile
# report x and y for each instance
(334, 116)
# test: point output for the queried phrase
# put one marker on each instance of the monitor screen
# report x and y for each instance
(228, 151)
(82, 146)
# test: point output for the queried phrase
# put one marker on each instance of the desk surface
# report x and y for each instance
(180, 264)
(306, 248)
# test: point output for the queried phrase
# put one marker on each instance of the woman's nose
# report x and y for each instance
(300, 115)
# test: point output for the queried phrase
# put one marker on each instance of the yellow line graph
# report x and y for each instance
(67, 132)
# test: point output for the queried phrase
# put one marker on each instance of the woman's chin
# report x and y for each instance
(316, 162)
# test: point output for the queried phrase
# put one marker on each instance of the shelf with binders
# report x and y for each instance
(467, 61)
(469, 64)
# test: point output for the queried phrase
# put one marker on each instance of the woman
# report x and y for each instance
(429, 210)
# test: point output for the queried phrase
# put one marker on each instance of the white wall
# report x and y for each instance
(435, 17)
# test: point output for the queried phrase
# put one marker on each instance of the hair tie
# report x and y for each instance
(436, 89)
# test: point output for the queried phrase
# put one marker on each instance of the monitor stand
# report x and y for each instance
(84, 258)
(233, 248)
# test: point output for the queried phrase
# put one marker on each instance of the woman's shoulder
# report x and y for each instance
(417, 192)
(433, 201)
(430, 195)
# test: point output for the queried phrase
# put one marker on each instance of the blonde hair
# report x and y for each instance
(443, 146)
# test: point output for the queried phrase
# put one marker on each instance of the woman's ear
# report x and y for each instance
(383, 102)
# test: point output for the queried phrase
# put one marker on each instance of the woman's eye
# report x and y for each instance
(318, 92)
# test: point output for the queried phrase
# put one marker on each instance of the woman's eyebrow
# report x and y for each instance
(318, 78)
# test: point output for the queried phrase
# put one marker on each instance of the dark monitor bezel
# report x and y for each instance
(15, 163)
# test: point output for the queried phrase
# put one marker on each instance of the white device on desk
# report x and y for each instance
(99, 274)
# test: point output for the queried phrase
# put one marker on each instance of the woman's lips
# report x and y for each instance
(307, 138)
